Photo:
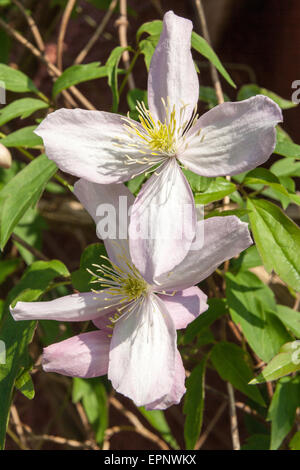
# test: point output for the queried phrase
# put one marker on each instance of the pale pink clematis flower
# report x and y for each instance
(106, 148)
(141, 356)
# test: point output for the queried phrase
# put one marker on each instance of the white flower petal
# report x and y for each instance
(142, 353)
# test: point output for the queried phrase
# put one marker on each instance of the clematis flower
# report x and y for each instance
(137, 318)
(109, 148)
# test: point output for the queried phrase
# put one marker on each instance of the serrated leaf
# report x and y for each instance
(246, 91)
(158, 421)
(20, 108)
(233, 365)
(194, 404)
(278, 240)
(24, 137)
(15, 80)
(282, 410)
(251, 304)
(17, 335)
(21, 192)
(202, 46)
(78, 74)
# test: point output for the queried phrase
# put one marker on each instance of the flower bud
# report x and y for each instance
(5, 157)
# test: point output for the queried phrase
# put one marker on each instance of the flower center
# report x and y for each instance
(161, 138)
(120, 282)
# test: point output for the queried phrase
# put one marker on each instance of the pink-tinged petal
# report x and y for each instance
(184, 306)
(142, 352)
(84, 355)
(217, 239)
(109, 206)
(74, 307)
(172, 75)
(232, 137)
(177, 391)
(163, 222)
(91, 144)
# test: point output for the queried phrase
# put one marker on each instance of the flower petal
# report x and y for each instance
(232, 137)
(172, 74)
(84, 355)
(177, 391)
(223, 238)
(74, 307)
(112, 201)
(184, 306)
(163, 221)
(91, 144)
(142, 352)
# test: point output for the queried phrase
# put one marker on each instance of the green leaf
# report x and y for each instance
(282, 410)
(290, 318)
(251, 304)
(265, 177)
(136, 95)
(17, 335)
(78, 74)
(30, 229)
(294, 443)
(286, 167)
(158, 421)
(147, 48)
(112, 73)
(20, 108)
(25, 385)
(200, 45)
(217, 189)
(246, 91)
(7, 267)
(153, 28)
(240, 213)
(198, 183)
(232, 364)
(217, 308)
(248, 259)
(285, 147)
(278, 240)
(15, 80)
(257, 442)
(92, 392)
(284, 363)
(81, 279)
(24, 137)
(194, 404)
(21, 192)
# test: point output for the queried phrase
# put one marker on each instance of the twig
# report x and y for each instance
(110, 432)
(60, 440)
(233, 419)
(210, 426)
(62, 31)
(29, 248)
(138, 427)
(122, 24)
(32, 24)
(15, 34)
(15, 438)
(81, 56)
(18, 424)
(297, 302)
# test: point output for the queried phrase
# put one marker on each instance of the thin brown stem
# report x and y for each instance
(122, 24)
(138, 427)
(233, 418)
(33, 26)
(51, 67)
(29, 248)
(210, 426)
(81, 56)
(62, 32)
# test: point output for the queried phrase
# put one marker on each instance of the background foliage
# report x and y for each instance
(241, 356)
